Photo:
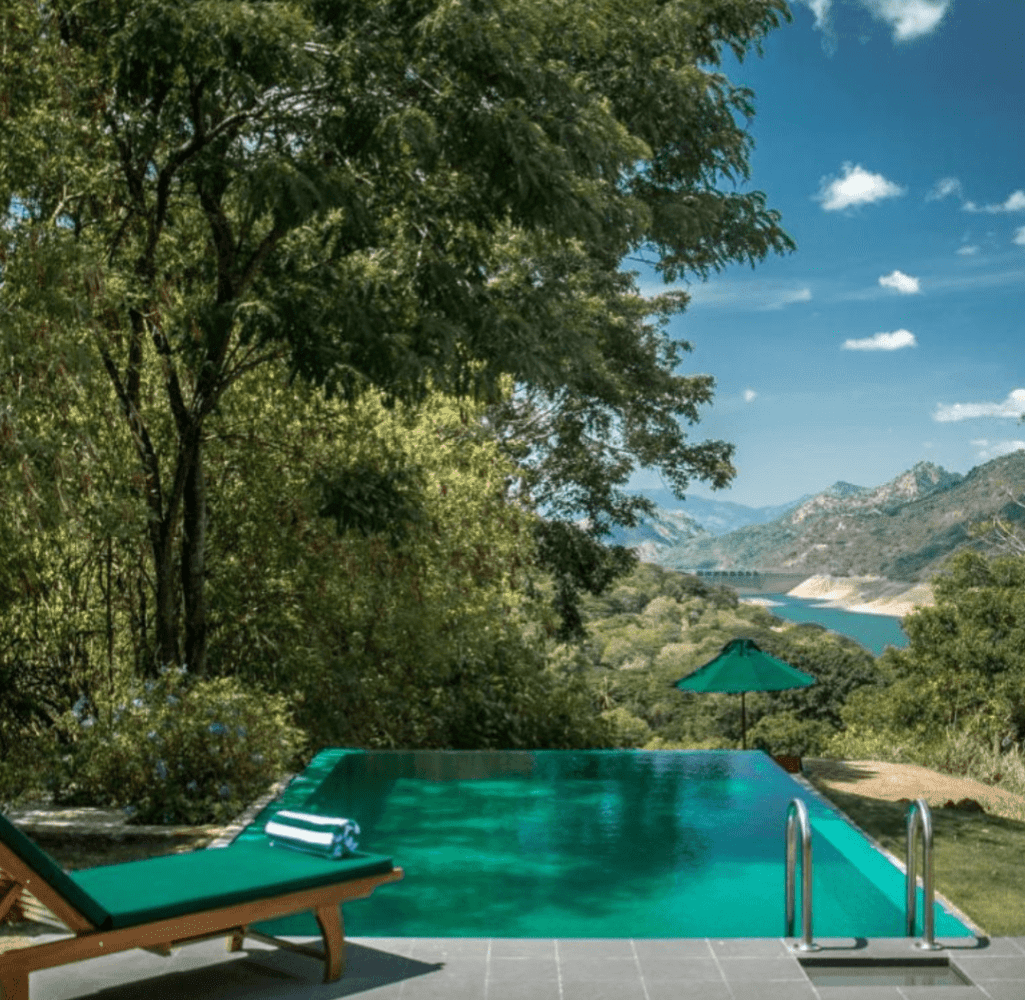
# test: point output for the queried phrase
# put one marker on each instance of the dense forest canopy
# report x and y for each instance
(384, 195)
(307, 307)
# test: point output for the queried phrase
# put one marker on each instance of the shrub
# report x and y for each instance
(618, 650)
(788, 733)
(23, 772)
(178, 753)
(713, 743)
(863, 743)
(663, 609)
(627, 730)
(969, 753)
(675, 656)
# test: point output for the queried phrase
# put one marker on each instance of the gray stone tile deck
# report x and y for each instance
(528, 969)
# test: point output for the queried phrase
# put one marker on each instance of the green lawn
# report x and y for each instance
(979, 859)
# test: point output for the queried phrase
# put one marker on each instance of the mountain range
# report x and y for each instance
(903, 530)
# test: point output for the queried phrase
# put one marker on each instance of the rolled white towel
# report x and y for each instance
(327, 836)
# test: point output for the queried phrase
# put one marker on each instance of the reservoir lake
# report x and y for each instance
(874, 632)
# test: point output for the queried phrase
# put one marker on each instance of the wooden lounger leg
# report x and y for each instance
(13, 984)
(10, 893)
(332, 928)
(236, 939)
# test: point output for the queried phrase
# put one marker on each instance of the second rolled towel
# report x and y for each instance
(328, 836)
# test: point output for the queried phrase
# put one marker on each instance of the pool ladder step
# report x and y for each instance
(797, 823)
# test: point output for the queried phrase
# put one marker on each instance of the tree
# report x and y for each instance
(964, 667)
(1001, 532)
(384, 194)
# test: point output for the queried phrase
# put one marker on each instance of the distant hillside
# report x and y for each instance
(902, 530)
(659, 533)
(678, 521)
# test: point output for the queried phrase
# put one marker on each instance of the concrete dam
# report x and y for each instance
(750, 581)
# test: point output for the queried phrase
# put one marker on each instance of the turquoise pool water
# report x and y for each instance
(599, 843)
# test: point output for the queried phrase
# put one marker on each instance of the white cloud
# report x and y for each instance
(856, 187)
(900, 282)
(820, 8)
(756, 294)
(1019, 236)
(909, 18)
(966, 251)
(986, 450)
(1015, 203)
(1013, 407)
(749, 395)
(789, 298)
(943, 188)
(883, 342)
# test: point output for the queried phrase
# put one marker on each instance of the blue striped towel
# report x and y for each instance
(328, 836)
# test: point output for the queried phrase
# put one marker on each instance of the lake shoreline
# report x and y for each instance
(888, 610)
(869, 629)
(870, 595)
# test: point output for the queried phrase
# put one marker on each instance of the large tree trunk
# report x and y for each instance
(193, 560)
(165, 611)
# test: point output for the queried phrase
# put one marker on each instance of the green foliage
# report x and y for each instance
(628, 730)
(859, 741)
(657, 626)
(577, 562)
(371, 501)
(789, 732)
(966, 753)
(177, 752)
(965, 662)
(430, 638)
(840, 667)
(215, 211)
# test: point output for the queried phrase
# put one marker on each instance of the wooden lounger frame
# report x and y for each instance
(161, 935)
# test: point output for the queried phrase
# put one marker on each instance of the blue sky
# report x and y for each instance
(890, 135)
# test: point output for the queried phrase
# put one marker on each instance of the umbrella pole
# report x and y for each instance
(743, 722)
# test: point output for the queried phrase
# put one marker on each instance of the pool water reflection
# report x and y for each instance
(600, 843)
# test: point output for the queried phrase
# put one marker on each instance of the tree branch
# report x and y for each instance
(140, 436)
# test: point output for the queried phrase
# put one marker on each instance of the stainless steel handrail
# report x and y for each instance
(919, 815)
(797, 816)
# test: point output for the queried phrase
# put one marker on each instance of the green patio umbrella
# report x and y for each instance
(742, 666)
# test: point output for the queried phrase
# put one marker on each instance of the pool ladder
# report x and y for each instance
(918, 816)
(797, 816)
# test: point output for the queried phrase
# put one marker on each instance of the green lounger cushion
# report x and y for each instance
(138, 892)
(53, 875)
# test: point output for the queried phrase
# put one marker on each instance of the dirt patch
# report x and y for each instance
(876, 779)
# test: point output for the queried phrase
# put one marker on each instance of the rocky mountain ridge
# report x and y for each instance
(676, 522)
(664, 530)
(924, 478)
(902, 530)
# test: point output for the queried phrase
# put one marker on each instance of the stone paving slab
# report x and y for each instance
(527, 969)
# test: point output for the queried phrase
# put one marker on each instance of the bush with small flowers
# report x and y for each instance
(175, 752)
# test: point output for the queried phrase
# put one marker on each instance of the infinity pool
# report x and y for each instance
(597, 843)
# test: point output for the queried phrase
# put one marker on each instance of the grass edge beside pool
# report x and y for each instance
(977, 857)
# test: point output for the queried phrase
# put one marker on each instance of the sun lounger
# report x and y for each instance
(177, 899)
